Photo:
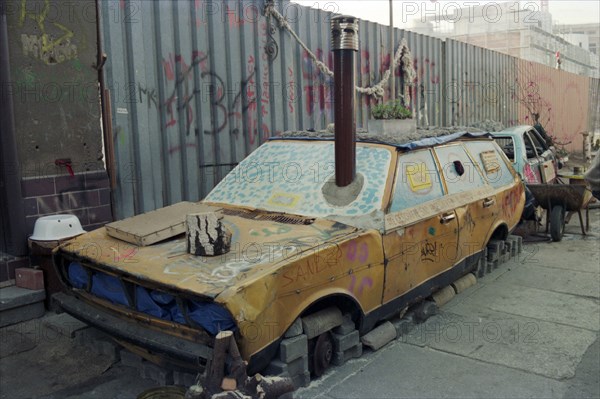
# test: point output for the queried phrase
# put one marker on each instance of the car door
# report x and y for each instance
(475, 200)
(548, 167)
(533, 162)
(421, 228)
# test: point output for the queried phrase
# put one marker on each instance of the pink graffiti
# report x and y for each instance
(357, 252)
(366, 281)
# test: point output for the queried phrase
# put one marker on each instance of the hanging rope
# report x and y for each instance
(402, 55)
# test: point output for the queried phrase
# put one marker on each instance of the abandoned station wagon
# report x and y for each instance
(417, 218)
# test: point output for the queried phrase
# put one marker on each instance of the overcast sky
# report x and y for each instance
(563, 11)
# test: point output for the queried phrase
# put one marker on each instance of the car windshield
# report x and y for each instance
(508, 146)
(288, 176)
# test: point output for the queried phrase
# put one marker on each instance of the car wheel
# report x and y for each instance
(557, 222)
(322, 354)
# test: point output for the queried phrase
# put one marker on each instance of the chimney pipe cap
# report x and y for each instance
(344, 33)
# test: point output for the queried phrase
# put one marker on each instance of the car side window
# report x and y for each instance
(417, 180)
(459, 171)
(539, 147)
(487, 156)
(529, 147)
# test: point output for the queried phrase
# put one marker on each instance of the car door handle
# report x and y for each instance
(488, 202)
(447, 217)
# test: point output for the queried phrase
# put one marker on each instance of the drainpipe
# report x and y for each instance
(344, 43)
(11, 200)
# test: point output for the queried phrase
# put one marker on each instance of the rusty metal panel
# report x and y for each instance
(561, 99)
(196, 85)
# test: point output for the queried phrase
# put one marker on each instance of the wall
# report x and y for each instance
(197, 85)
(54, 89)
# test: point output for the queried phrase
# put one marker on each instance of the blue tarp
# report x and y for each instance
(210, 316)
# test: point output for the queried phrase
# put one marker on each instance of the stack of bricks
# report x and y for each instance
(495, 249)
(85, 195)
(292, 359)
(346, 342)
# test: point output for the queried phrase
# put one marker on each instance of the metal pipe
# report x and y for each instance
(344, 40)
(12, 211)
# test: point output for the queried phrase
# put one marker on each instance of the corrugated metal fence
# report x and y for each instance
(197, 85)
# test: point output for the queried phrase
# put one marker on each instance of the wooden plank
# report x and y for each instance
(154, 226)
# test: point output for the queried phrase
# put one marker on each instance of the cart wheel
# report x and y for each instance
(557, 222)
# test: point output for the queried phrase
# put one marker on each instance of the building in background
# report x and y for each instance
(522, 30)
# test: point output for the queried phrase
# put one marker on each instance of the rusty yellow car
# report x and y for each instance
(416, 217)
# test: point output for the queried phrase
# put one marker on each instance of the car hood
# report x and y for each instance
(261, 242)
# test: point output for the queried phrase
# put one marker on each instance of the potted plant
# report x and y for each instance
(392, 119)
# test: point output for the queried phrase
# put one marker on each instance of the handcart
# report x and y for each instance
(558, 199)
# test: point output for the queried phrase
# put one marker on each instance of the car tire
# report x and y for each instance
(557, 222)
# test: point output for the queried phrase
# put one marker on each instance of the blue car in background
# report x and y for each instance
(530, 155)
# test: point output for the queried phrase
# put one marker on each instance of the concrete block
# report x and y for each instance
(481, 267)
(301, 380)
(184, 379)
(424, 310)
(22, 313)
(161, 376)
(444, 296)
(324, 320)
(340, 358)
(464, 282)
(345, 342)
(293, 348)
(508, 244)
(519, 242)
(346, 327)
(64, 324)
(494, 249)
(380, 336)
(491, 265)
(295, 329)
(14, 297)
(28, 278)
(295, 367)
(130, 359)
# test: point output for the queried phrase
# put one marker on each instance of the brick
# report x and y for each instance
(295, 329)
(101, 214)
(82, 215)
(14, 265)
(104, 196)
(157, 374)
(345, 342)
(30, 223)
(184, 379)
(84, 199)
(3, 272)
(95, 180)
(301, 380)
(53, 204)
(293, 348)
(31, 279)
(69, 183)
(31, 206)
(37, 187)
